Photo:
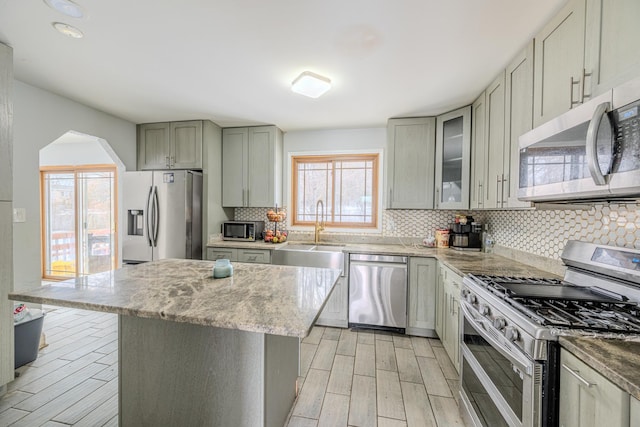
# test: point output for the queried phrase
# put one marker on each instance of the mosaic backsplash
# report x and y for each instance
(540, 232)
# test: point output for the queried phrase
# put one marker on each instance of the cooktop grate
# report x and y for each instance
(554, 303)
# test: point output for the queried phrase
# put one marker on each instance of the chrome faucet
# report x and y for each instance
(319, 225)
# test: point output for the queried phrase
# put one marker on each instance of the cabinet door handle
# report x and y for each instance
(248, 199)
(437, 197)
(172, 161)
(390, 197)
(502, 198)
(577, 376)
(480, 199)
(498, 182)
(584, 84)
(166, 161)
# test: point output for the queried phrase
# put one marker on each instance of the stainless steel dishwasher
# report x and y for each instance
(378, 292)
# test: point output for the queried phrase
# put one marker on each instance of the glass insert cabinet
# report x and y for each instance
(453, 159)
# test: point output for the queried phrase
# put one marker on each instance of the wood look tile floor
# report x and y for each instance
(348, 378)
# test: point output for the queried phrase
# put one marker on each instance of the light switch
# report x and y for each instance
(19, 215)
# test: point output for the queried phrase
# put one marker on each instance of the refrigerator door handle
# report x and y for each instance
(156, 212)
(148, 217)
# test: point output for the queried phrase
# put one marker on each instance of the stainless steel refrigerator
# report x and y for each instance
(163, 211)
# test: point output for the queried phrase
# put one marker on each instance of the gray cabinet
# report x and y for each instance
(612, 53)
(251, 166)
(6, 216)
(449, 311)
(410, 163)
(518, 119)
(496, 176)
(634, 409)
(174, 145)
(559, 59)
(335, 311)
(453, 159)
(478, 153)
(589, 399)
(261, 256)
(422, 297)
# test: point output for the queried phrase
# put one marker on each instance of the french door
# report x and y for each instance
(79, 220)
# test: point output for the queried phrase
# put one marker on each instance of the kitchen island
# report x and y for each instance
(194, 350)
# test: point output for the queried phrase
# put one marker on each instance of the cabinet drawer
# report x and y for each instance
(262, 256)
(219, 253)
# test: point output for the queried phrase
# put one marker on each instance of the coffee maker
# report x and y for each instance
(466, 237)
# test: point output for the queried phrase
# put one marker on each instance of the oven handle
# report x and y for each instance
(591, 146)
(501, 344)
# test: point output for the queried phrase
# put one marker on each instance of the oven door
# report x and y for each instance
(500, 386)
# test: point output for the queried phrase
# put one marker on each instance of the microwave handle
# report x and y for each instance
(592, 149)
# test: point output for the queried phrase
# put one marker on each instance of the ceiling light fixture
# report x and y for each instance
(311, 84)
(68, 30)
(65, 7)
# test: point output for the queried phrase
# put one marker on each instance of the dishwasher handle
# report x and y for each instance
(378, 258)
(370, 264)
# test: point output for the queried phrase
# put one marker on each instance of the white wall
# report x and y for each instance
(41, 117)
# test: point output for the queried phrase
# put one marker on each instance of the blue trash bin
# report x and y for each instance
(27, 337)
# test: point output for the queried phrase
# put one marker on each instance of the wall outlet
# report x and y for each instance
(19, 215)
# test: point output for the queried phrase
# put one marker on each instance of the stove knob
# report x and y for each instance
(511, 333)
(484, 310)
(471, 298)
(499, 323)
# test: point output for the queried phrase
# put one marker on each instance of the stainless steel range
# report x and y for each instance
(510, 352)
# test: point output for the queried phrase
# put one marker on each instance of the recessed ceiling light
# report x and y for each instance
(66, 7)
(311, 84)
(68, 30)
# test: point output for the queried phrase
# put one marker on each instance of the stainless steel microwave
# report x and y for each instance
(589, 152)
(242, 230)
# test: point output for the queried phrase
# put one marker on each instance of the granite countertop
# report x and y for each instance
(462, 262)
(616, 359)
(263, 298)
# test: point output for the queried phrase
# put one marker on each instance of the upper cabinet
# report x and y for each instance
(251, 166)
(612, 53)
(559, 65)
(478, 153)
(174, 145)
(410, 163)
(518, 120)
(585, 50)
(453, 159)
(496, 174)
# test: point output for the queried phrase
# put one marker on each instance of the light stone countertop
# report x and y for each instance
(462, 262)
(263, 298)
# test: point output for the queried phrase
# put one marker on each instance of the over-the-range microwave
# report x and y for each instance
(589, 152)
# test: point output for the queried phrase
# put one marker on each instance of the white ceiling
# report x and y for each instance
(233, 61)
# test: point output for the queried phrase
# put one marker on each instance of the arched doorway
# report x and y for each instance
(79, 206)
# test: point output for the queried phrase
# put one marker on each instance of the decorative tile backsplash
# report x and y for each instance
(540, 232)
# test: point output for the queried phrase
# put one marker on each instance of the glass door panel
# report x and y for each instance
(97, 221)
(60, 225)
(79, 228)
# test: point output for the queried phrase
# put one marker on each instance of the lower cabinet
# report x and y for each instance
(421, 314)
(634, 409)
(335, 312)
(262, 256)
(589, 399)
(448, 312)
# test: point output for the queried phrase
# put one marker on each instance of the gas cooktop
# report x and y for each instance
(559, 304)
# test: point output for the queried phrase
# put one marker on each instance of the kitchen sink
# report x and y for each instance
(307, 255)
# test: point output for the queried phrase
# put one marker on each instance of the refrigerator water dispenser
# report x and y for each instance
(135, 222)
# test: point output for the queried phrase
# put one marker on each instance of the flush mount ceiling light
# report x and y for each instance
(68, 30)
(66, 7)
(311, 84)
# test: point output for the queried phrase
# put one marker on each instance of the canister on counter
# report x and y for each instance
(442, 237)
